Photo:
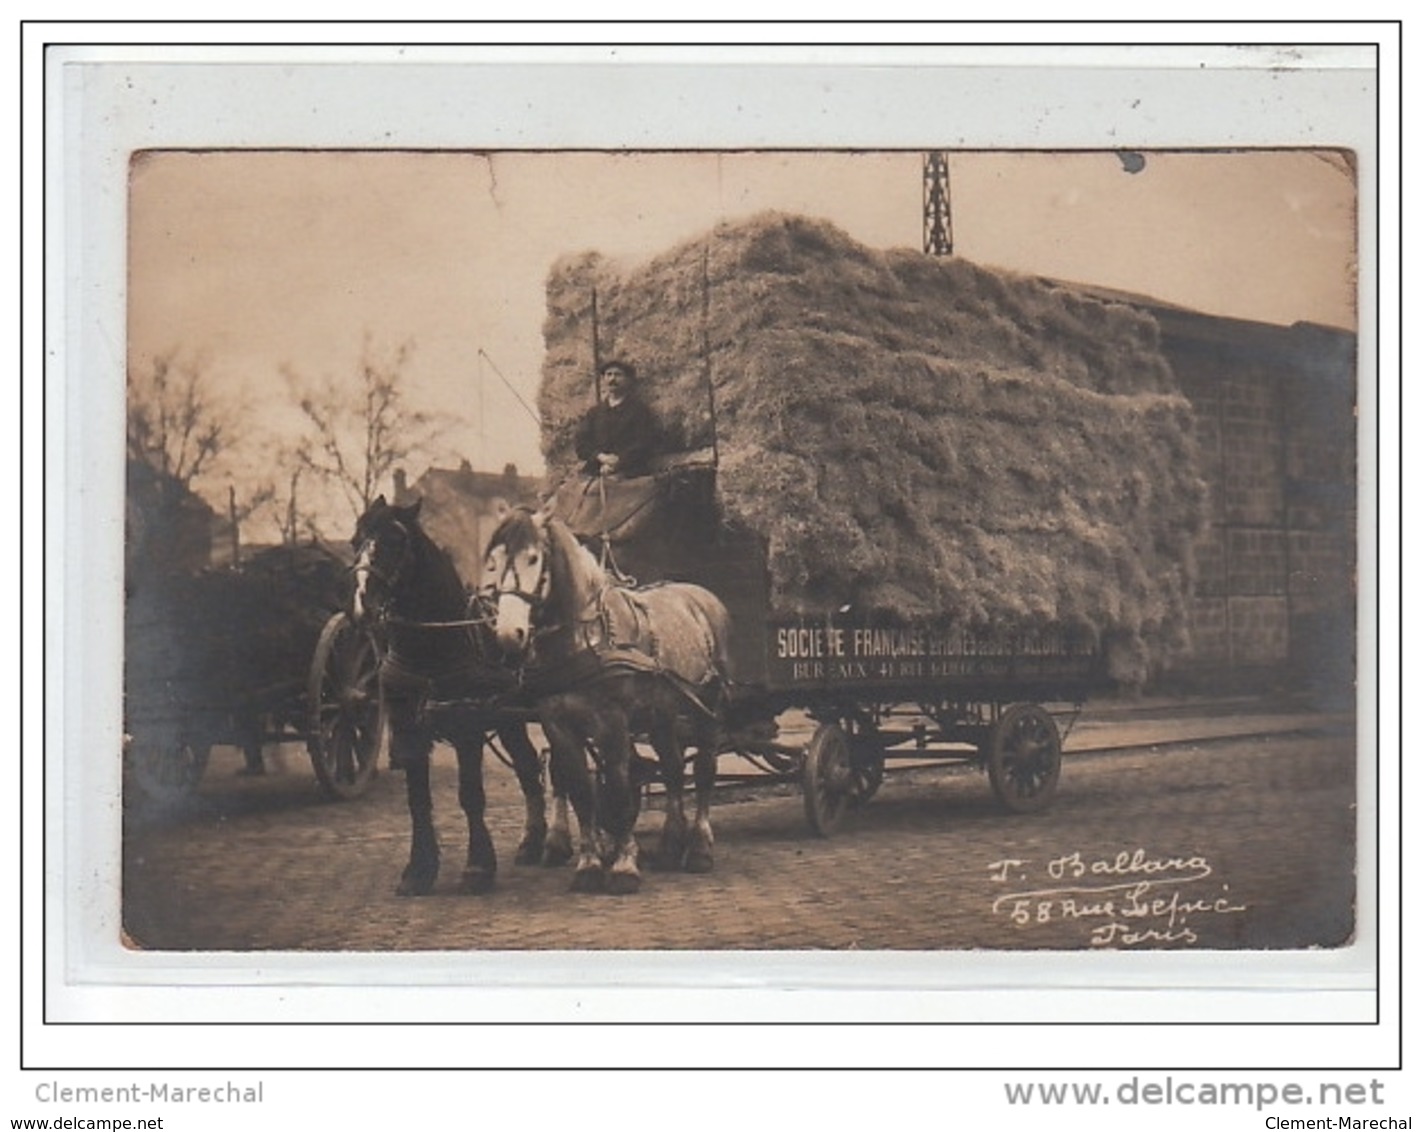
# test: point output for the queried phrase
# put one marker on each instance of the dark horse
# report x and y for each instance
(435, 651)
(605, 662)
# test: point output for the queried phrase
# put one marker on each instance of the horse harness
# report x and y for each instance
(390, 576)
(612, 633)
(401, 663)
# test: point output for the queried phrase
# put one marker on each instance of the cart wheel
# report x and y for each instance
(827, 779)
(865, 778)
(1024, 758)
(345, 711)
(168, 771)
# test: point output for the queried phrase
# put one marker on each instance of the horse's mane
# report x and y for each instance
(515, 530)
(444, 588)
(433, 590)
(567, 553)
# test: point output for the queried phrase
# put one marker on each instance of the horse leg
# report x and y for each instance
(616, 805)
(569, 763)
(414, 750)
(480, 863)
(671, 846)
(529, 769)
(558, 847)
(698, 853)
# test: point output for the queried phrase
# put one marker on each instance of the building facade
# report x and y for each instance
(1275, 602)
(461, 508)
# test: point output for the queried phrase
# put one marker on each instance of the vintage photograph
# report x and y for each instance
(741, 550)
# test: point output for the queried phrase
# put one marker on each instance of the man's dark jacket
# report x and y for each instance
(628, 431)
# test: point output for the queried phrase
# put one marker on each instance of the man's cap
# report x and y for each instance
(619, 364)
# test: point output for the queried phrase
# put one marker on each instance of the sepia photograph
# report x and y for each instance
(672, 557)
(891, 549)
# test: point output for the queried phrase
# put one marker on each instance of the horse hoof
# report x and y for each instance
(557, 851)
(476, 882)
(415, 885)
(419, 876)
(698, 861)
(588, 880)
(528, 853)
(669, 855)
(623, 883)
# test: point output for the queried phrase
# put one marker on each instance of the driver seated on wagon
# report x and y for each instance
(620, 434)
(635, 488)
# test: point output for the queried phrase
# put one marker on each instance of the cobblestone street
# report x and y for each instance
(1240, 843)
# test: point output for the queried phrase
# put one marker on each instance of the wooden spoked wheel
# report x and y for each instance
(827, 778)
(1024, 758)
(866, 763)
(346, 715)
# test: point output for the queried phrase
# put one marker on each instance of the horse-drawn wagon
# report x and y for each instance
(938, 496)
(553, 634)
(247, 657)
(937, 499)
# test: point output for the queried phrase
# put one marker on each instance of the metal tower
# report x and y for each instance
(937, 211)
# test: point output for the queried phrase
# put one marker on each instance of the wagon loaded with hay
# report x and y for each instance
(934, 496)
(264, 653)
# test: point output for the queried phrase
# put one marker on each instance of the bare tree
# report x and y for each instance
(362, 430)
(176, 424)
(295, 521)
(190, 439)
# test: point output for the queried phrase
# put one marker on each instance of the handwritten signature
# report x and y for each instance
(1130, 898)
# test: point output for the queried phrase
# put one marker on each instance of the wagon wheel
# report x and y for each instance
(167, 770)
(1024, 758)
(345, 711)
(827, 778)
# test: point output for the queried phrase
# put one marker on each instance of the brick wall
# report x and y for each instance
(1274, 598)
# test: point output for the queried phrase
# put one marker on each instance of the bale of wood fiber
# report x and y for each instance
(911, 436)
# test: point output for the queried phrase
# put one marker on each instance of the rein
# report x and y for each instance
(409, 623)
(390, 578)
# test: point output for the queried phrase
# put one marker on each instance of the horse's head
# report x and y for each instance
(531, 578)
(384, 543)
(537, 577)
(517, 577)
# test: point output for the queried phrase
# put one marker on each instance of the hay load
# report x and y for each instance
(911, 436)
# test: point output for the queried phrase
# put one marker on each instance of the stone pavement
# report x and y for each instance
(1116, 724)
(260, 865)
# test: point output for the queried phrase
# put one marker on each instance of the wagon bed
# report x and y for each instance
(880, 688)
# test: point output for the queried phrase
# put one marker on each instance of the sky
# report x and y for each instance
(255, 263)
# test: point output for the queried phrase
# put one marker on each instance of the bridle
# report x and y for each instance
(387, 576)
(534, 593)
(536, 597)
